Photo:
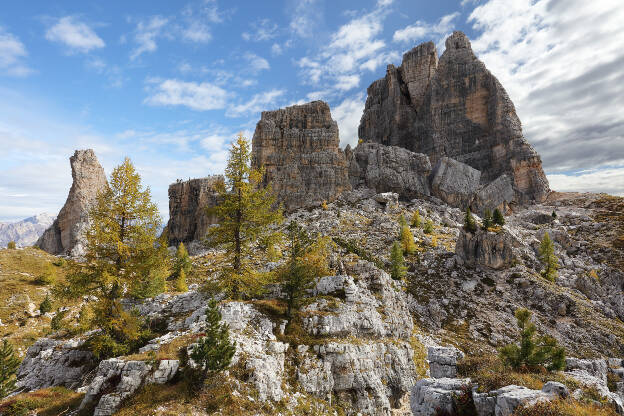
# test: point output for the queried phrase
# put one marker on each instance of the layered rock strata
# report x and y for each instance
(298, 147)
(189, 203)
(66, 234)
(453, 108)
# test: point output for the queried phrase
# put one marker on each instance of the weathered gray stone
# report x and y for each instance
(485, 248)
(497, 194)
(454, 182)
(189, 202)
(432, 395)
(298, 147)
(66, 234)
(389, 169)
(443, 361)
(51, 363)
(504, 401)
(456, 108)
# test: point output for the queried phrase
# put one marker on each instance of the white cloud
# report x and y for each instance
(356, 46)
(276, 49)
(146, 33)
(259, 102)
(196, 96)
(197, 32)
(347, 114)
(384, 3)
(562, 64)
(74, 34)
(215, 142)
(12, 54)
(306, 17)
(608, 180)
(256, 63)
(421, 30)
(262, 30)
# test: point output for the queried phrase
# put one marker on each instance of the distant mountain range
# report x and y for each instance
(25, 232)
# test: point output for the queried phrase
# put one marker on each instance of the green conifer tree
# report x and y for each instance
(9, 364)
(307, 259)
(46, 305)
(245, 214)
(548, 259)
(487, 220)
(213, 352)
(124, 258)
(398, 269)
(416, 219)
(498, 219)
(532, 353)
(470, 225)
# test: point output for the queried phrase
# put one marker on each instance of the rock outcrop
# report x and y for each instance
(454, 182)
(189, 201)
(25, 232)
(456, 108)
(485, 248)
(389, 169)
(298, 147)
(65, 235)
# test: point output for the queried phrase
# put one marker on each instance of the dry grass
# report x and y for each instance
(46, 402)
(18, 271)
(564, 408)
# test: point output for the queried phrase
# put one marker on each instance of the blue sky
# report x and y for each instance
(170, 83)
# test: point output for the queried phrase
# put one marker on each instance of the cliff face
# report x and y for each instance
(188, 203)
(298, 147)
(456, 108)
(65, 235)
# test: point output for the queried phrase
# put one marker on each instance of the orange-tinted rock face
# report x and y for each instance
(188, 209)
(299, 149)
(66, 234)
(456, 108)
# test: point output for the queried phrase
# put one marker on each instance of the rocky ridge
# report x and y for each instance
(65, 235)
(25, 232)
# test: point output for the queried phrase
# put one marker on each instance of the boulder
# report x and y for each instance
(298, 147)
(454, 182)
(50, 363)
(453, 107)
(436, 396)
(497, 194)
(504, 401)
(189, 201)
(66, 234)
(485, 248)
(117, 380)
(389, 169)
(443, 361)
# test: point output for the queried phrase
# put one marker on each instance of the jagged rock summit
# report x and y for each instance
(65, 235)
(188, 209)
(298, 147)
(453, 107)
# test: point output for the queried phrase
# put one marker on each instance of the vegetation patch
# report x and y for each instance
(52, 401)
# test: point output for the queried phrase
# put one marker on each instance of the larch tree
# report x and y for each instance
(307, 259)
(245, 213)
(8, 366)
(548, 258)
(397, 262)
(406, 237)
(124, 257)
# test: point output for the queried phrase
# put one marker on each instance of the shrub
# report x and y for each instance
(532, 353)
(59, 262)
(548, 259)
(398, 269)
(487, 220)
(470, 225)
(498, 218)
(48, 276)
(46, 305)
(416, 219)
(8, 366)
(11, 245)
(554, 214)
(57, 321)
(428, 228)
(324, 206)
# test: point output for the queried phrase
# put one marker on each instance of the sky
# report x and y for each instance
(169, 84)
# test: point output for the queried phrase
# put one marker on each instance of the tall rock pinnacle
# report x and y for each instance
(298, 147)
(453, 108)
(65, 235)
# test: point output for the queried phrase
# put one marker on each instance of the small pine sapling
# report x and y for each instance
(487, 220)
(498, 219)
(470, 225)
(398, 269)
(416, 219)
(46, 305)
(428, 228)
(8, 367)
(548, 258)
